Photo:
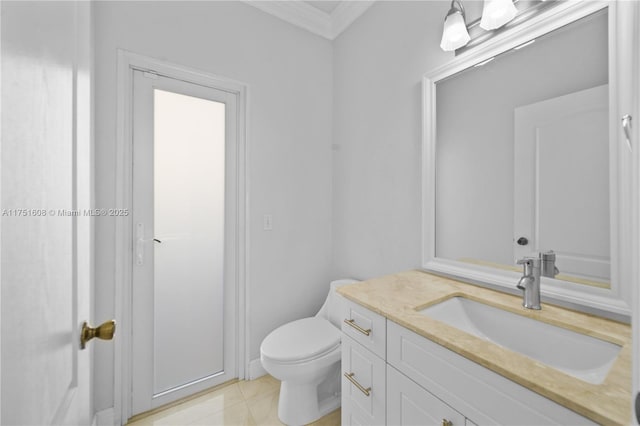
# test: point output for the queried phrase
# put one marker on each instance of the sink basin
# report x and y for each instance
(581, 356)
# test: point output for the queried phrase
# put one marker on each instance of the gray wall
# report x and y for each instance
(378, 67)
(288, 71)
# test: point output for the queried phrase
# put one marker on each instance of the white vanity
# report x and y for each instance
(402, 367)
(526, 150)
(523, 153)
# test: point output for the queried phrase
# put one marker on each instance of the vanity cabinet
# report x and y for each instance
(364, 385)
(363, 366)
(480, 394)
(410, 404)
(398, 377)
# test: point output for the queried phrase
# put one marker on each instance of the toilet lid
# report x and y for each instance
(300, 340)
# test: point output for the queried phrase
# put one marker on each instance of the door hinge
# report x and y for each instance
(150, 74)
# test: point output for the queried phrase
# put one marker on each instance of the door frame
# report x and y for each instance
(127, 62)
(634, 93)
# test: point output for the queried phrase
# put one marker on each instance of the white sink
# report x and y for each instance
(584, 357)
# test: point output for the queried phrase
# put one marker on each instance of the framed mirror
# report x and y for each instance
(523, 155)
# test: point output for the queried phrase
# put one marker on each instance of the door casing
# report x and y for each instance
(127, 62)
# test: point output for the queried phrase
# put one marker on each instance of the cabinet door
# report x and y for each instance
(363, 392)
(410, 404)
(352, 416)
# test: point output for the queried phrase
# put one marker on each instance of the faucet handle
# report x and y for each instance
(549, 268)
(548, 255)
(529, 260)
(528, 265)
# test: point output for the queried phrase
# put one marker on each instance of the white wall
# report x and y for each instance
(378, 67)
(289, 75)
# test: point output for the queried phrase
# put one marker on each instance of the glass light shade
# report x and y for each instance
(454, 33)
(496, 13)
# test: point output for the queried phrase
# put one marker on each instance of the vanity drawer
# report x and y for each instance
(365, 327)
(363, 385)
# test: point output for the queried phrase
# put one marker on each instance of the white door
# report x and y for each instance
(184, 228)
(46, 182)
(568, 138)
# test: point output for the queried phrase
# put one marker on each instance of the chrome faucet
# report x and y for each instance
(530, 282)
(548, 266)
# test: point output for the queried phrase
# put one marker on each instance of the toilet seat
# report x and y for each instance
(301, 341)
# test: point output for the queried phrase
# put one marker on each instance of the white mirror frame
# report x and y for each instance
(613, 302)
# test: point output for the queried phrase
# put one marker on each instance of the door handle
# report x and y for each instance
(626, 126)
(140, 240)
(351, 378)
(353, 324)
(140, 244)
(104, 331)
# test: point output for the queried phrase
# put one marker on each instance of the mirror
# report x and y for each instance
(522, 155)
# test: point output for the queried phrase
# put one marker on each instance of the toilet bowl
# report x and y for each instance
(305, 356)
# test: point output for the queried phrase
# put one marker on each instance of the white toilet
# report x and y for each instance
(305, 356)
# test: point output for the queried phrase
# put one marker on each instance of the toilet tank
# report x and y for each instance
(332, 307)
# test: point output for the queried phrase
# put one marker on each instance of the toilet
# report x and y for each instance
(305, 356)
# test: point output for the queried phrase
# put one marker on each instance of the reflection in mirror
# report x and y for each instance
(522, 156)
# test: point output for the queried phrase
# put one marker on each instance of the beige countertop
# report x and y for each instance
(400, 297)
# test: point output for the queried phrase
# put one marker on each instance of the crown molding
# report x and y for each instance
(297, 13)
(346, 13)
(314, 20)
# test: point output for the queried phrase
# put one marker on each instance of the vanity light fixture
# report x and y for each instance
(454, 33)
(496, 13)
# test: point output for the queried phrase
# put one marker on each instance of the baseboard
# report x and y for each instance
(256, 369)
(104, 418)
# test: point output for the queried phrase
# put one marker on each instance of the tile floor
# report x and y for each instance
(252, 402)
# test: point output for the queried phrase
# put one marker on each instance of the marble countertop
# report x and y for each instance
(400, 297)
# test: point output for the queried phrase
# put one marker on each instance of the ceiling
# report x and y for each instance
(322, 17)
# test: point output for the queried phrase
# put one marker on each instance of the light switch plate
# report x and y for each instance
(267, 222)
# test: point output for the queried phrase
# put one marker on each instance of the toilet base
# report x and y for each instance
(301, 404)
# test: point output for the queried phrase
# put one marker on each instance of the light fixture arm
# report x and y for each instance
(456, 6)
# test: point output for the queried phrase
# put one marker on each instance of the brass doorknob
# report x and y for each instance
(104, 331)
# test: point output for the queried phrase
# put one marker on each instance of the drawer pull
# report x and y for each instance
(349, 376)
(446, 422)
(353, 324)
